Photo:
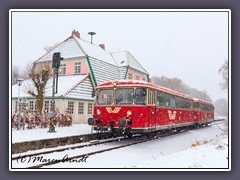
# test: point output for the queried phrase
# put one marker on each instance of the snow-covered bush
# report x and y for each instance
(33, 119)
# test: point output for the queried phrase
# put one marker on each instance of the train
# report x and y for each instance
(132, 106)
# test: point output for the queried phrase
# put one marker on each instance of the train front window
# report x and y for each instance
(140, 96)
(105, 97)
(124, 96)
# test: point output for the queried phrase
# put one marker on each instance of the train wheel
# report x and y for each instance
(151, 135)
(129, 135)
(178, 130)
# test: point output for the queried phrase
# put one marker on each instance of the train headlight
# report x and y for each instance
(129, 113)
(98, 112)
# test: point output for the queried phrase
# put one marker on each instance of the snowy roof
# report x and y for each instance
(125, 58)
(78, 47)
(103, 71)
(68, 48)
(95, 51)
(67, 87)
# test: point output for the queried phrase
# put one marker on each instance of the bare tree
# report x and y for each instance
(221, 107)
(15, 74)
(223, 70)
(179, 86)
(39, 76)
(49, 48)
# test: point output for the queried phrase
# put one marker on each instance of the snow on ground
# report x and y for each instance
(175, 151)
(209, 155)
(169, 152)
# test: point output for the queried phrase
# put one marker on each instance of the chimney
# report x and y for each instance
(102, 46)
(76, 33)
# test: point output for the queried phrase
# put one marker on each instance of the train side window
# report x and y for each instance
(196, 106)
(212, 108)
(172, 101)
(204, 107)
(189, 104)
(183, 103)
(166, 100)
(160, 101)
(178, 104)
(186, 104)
(140, 96)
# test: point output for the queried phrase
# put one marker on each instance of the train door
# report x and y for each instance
(196, 110)
(151, 105)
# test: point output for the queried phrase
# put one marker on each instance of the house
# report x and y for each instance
(85, 65)
(74, 96)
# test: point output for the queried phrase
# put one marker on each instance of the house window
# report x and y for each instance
(31, 105)
(35, 103)
(137, 77)
(129, 76)
(80, 108)
(51, 105)
(46, 106)
(16, 106)
(62, 69)
(90, 108)
(77, 68)
(70, 107)
(143, 79)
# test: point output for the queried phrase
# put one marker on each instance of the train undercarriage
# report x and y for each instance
(125, 129)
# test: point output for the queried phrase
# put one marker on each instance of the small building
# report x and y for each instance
(74, 96)
(85, 65)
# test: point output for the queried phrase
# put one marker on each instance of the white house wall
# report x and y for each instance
(62, 105)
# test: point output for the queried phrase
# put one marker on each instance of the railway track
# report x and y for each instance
(64, 149)
(35, 157)
(109, 145)
(38, 157)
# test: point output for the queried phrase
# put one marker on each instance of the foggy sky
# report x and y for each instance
(191, 46)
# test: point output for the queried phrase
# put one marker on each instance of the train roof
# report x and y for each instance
(202, 101)
(139, 83)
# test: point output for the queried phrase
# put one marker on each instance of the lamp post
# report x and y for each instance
(19, 82)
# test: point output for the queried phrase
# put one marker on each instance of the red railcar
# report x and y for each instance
(203, 112)
(131, 106)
